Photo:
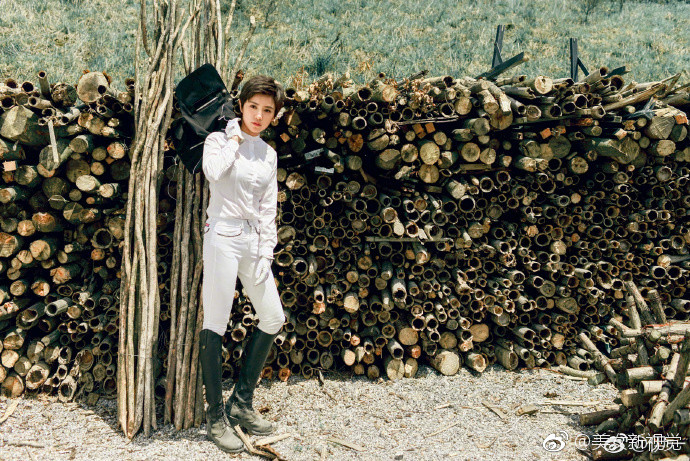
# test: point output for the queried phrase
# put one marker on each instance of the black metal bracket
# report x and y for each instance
(498, 46)
(575, 61)
(498, 65)
(647, 111)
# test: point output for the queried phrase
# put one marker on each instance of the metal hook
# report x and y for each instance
(222, 112)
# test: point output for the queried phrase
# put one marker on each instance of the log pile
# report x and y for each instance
(65, 176)
(650, 367)
(469, 222)
(453, 221)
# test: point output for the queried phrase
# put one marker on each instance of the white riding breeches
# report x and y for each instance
(231, 251)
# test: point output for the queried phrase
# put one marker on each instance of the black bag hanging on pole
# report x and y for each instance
(205, 105)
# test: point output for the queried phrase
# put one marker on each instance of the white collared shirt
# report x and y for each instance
(243, 184)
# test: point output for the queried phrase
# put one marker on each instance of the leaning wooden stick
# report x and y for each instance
(645, 313)
(602, 360)
(676, 380)
(250, 447)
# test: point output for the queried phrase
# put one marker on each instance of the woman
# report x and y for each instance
(239, 239)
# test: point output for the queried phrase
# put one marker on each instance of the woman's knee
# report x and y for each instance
(215, 327)
(271, 324)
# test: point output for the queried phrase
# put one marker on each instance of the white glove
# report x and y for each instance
(263, 268)
(233, 129)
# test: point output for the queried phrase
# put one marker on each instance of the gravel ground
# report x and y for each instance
(430, 417)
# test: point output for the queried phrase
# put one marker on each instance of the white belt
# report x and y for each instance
(245, 224)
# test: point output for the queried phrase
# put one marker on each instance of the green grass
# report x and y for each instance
(364, 37)
(65, 37)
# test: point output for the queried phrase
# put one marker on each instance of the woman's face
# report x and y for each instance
(257, 113)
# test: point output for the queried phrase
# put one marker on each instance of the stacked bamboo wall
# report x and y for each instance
(466, 221)
(449, 220)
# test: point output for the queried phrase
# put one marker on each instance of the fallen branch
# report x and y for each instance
(31, 457)
(490, 444)
(250, 447)
(571, 402)
(446, 405)
(272, 439)
(20, 443)
(443, 429)
(10, 409)
(345, 443)
(496, 410)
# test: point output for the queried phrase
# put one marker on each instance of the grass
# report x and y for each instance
(65, 37)
(364, 37)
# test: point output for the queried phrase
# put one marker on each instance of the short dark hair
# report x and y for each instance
(263, 84)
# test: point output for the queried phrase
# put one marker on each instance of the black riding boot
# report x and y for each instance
(217, 426)
(239, 406)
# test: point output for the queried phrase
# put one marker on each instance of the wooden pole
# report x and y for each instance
(141, 304)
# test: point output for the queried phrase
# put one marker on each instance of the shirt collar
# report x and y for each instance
(250, 138)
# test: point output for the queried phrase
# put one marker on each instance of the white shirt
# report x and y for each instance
(243, 184)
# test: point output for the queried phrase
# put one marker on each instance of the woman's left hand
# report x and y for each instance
(263, 268)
